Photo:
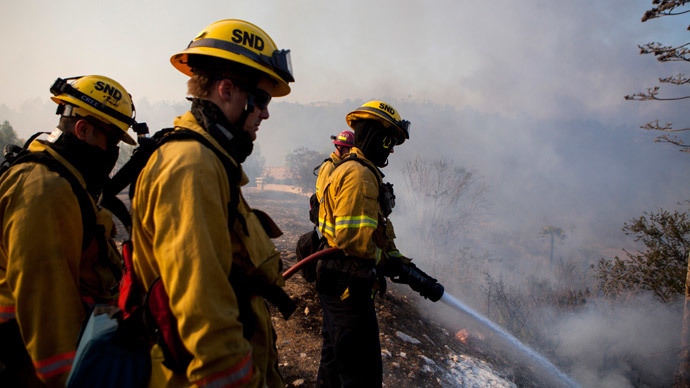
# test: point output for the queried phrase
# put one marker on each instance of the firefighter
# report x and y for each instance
(193, 230)
(353, 217)
(343, 143)
(57, 258)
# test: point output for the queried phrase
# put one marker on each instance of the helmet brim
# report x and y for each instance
(180, 60)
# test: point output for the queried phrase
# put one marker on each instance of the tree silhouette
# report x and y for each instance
(302, 162)
(665, 53)
(7, 135)
(553, 233)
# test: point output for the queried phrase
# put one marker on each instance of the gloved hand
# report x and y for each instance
(419, 281)
(390, 266)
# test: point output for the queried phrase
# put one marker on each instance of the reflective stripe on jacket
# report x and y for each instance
(44, 275)
(349, 212)
(180, 234)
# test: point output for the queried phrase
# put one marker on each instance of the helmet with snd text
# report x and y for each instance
(383, 113)
(244, 43)
(99, 97)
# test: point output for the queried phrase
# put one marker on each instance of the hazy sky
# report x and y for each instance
(547, 59)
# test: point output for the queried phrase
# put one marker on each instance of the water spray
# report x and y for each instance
(429, 288)
(533, 355)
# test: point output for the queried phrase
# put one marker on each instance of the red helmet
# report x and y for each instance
(344, 138)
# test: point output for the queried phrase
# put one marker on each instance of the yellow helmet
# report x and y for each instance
(241, 42)
(97, 96)
(385, 114)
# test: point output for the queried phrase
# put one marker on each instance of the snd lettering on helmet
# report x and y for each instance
(247, 39)
(109, 89)
(387, 108)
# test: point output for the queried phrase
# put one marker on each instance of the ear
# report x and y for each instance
(82, 128)
(225, 89)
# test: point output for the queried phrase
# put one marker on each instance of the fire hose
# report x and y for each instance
(291, 271)
(408, 274)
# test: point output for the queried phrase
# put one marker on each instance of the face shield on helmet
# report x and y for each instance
(98, 97)
(241, 42)
(383, 113)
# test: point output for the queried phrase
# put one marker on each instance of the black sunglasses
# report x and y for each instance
(255, 97)
(258, 98)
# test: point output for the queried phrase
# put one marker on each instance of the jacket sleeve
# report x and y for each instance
(41, 229)
(193, 251)
(356, 211)
(391, 250)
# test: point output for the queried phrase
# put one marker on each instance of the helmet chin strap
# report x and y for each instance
(248, 109)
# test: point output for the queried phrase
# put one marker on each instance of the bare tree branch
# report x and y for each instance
(664, 53)
(665, 8)
(673, 140)
(654, 125)
(678, 79)
(652, 94)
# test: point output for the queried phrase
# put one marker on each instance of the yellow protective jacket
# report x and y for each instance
(45, 278)
(349, 214)
(325, 171)
(181, 234)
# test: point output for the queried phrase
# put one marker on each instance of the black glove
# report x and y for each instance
(390, 266)
(419, 281)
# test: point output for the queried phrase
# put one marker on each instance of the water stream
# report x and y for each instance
(538, 359)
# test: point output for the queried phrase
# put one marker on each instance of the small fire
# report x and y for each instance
(470, 335)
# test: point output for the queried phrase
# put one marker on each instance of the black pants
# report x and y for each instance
(16, 368)
(351, 351)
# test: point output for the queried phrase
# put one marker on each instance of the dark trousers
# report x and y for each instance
(16, 368)
(351, 351)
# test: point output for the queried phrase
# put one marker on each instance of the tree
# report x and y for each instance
(302, 162)
(666, 53)
(552, 233)
(7, 135)
(660, 268)
(254, 165)
(443, 200)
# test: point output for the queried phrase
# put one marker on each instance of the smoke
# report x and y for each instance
(583, 175)
(607, 343)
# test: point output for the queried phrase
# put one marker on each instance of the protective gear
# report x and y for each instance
(94, 163)
(375, 140)
(97, 96)
(351, 220)
(351, 352)
(325, 171)
(408, 273)
(349, 214)
(234, 140)
(208, 324)
(383, 113)
(344, 138)
(242, 42)
(44, 263)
